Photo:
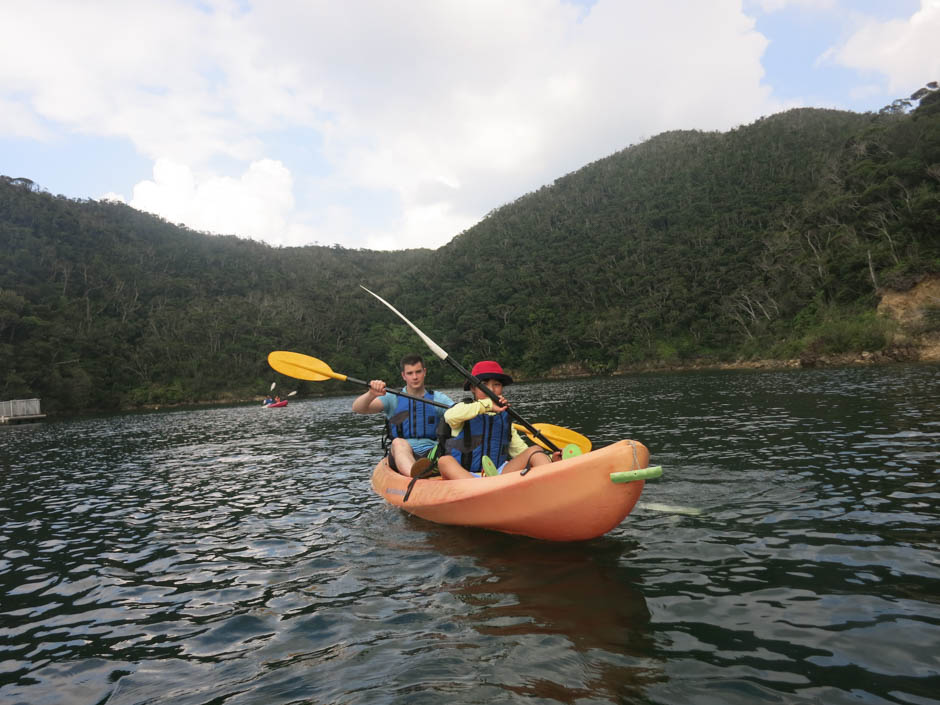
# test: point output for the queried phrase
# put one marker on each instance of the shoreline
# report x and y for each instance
(925, 351)
(891, 356)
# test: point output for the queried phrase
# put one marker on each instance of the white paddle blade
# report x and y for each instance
(435, 348)
(669, 508)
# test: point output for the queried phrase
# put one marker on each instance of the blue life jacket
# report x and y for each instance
(412, 419)
(486, 434)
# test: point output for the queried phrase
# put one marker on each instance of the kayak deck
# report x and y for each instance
(568, 500)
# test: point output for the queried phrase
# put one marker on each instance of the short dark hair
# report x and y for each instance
(411, 359)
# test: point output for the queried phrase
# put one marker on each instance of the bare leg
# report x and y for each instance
(518, 463)
(404, 456)
(451, 469)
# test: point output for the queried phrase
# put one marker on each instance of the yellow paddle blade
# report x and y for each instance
(559, 435)
(301, 366)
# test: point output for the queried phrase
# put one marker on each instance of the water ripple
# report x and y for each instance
(238, 555)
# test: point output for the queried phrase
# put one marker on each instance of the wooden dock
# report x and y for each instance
(20, 411)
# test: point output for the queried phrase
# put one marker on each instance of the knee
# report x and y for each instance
(400, 444)
(448, 461)
(451, 469)
(536, 456)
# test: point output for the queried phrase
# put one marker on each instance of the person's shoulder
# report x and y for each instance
(443, 398)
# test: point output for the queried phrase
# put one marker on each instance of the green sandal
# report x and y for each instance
(570, 451)
(489, 467)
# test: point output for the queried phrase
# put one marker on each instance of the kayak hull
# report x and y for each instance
(275, 405)
(568, 500)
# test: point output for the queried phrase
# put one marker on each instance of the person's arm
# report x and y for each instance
(370, 402)
(516, 444)
(457, 415)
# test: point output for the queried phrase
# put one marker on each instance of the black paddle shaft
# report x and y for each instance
(401, 394)
(442, 354)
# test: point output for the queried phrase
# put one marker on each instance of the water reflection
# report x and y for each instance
(236, 555)
(582, 594)
(531, 619)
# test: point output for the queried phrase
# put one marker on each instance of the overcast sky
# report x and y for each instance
(384, 124)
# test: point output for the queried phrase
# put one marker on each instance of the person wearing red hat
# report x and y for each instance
(483, 441)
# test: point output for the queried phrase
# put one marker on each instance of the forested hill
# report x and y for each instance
(102, 306)
(768, 240)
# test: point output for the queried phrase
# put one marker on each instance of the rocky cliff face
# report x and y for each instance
(917, 313)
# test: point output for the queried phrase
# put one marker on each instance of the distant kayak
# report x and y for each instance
(275, 404)
(569, 500)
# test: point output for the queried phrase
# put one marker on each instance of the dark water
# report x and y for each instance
(237, 555)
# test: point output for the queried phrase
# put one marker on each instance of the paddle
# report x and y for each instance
(670, 508)
(442, 354)
(560, 436)
(300, 366)
(271, 389)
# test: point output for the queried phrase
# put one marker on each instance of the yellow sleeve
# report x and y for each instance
(460, 413)
(516, 444)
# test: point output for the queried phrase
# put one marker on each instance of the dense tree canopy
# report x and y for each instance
(769, 239)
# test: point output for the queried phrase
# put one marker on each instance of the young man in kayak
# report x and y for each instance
(412, 425)
(483, 441)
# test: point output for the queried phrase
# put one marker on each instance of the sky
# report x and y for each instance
(390, 124)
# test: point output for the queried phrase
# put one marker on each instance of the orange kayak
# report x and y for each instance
(569, 500)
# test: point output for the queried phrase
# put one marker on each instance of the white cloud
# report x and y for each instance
(448, 108)
(777, 5)
(904, 51)
(539, 97)
(256, 204)
(17, 120)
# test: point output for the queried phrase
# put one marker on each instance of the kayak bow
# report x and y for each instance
(569, 500)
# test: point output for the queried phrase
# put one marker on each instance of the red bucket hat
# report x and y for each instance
(488, 369)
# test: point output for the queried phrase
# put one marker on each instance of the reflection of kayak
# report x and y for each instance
(569, 500)
(274, 405)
